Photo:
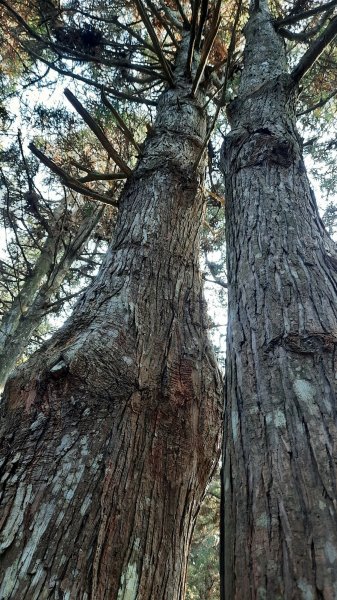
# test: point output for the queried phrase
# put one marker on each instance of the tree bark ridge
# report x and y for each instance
(112, 429)
(279, 472)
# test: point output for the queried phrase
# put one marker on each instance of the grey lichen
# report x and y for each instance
(129, 583)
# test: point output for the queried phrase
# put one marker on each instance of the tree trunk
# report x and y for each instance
(279, 472)
(112, 429)
(29, 307)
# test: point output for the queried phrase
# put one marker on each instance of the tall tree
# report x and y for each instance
(111, 431)
(279, 472)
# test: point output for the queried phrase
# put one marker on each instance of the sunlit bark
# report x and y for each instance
(111, 431)
(279, 473)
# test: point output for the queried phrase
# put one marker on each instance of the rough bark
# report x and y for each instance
(279, 472)
(29, 307)
(112, 430)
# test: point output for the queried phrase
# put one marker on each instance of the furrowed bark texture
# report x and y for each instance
(112, 430)
(279, 472)
(29, 307)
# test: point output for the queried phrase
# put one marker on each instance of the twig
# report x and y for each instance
(319, 104)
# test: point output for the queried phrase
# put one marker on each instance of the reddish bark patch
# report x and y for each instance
(180, 384)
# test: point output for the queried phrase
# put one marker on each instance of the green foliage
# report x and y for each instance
(203, 566)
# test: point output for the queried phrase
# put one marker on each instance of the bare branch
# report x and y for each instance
(156, 13)
(208, 44)
(319, 104)
(171, 17)
(67, 180)
(216, 278)
(182, 14)
(96, 129)
(155, 41)
(203, 16)
(217, 282)
(291, 19)
(315, 50)
(296, 36)
(308, 33)
(93, 176)
(32, 194)
(222, 101)
(121, 123)
(92, 82)
(194, 25)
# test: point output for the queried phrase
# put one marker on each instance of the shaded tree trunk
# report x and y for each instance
(29, 307)
(111, 431)
(279, 472)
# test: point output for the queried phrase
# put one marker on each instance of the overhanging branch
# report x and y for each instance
(121, 123)
(91, 82)
(72, 54)
(319, 104)
(96, 129)
(67, 180)
(155, 41)
(291, 19)
(315, 50)
(208, 45)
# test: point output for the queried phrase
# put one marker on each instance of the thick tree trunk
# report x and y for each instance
(112, 429)
(29, 307)
(280, 494)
